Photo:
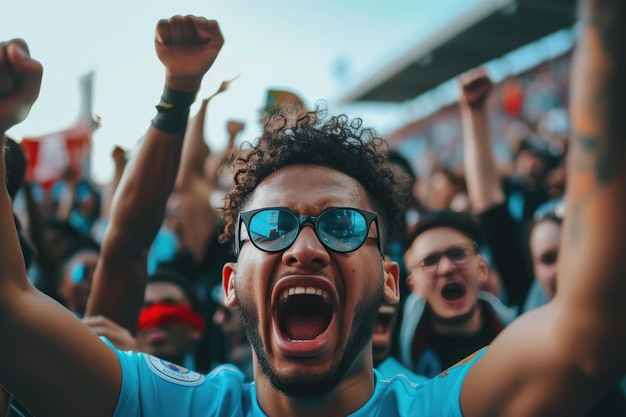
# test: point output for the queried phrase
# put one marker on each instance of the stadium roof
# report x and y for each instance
(490, 30)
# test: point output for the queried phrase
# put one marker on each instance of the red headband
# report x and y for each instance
(161, 314)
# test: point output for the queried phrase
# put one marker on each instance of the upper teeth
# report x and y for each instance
(304, 290)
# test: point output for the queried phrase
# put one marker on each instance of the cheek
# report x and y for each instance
(552, 272)
(255, 269)
(251, 288)
(365, 272)
(425, 286)
(544, 274)
(244, 292)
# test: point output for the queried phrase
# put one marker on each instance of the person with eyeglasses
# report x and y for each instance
(528, 283)
(310, 276)
(447, 316)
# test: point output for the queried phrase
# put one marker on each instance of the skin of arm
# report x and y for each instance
(34, 328)
(49, 359)
(119, 160)
(485, 189)
(195, 149)
(116, 334)
(481, 174)
(187, 47)
(198, 220)
(559, 359)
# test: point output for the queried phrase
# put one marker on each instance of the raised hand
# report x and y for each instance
(475, 86)
(20, 80)
(234, 127)
(119, 156)
(187, 46)
(118, 335)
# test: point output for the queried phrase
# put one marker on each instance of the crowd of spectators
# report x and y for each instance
(484, 210)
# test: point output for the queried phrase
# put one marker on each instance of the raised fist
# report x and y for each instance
(20, 80)
(475, 86)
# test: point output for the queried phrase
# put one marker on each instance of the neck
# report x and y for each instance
(468, 323)
(354, 390)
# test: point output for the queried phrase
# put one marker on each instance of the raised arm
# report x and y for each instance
(482, 177)
(187, 47)
(46, 354)
(559, 359)
(20, 79)
(49, 360)
(593, 282)
(195, 149)
(119, 161)
(485, 191)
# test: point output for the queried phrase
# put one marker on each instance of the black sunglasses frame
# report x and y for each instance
(246, 216)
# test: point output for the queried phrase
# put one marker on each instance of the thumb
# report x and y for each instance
(27, 70)
(22, 63)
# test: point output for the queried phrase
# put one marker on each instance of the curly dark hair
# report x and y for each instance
(336, 142)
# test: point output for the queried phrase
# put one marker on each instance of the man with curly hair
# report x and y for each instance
(309, 213)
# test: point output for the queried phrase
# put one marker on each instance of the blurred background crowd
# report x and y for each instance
(62, 209)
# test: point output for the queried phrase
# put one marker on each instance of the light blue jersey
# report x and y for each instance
(390, 367)
(152, 387)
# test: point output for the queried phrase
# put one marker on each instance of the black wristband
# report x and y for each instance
(173, 110)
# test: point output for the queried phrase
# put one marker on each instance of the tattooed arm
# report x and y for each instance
(559, 359)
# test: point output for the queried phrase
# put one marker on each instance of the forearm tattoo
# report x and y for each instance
(599, 124)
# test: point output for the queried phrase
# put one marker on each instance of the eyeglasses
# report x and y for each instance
(549, 258)
(458, 255)
(340, 229)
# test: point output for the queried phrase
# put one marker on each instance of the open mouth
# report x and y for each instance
(382, 329)
(304, 313)
(303, 316)
(453, 291)
(156, 337)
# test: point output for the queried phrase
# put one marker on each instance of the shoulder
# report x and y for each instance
(155, 387)
(401, 395)
(390, 368)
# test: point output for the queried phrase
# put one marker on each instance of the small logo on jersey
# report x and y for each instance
(172, 372)
(462, 362)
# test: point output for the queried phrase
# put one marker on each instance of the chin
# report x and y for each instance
(456, 315)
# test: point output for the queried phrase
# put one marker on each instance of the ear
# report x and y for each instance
(391, 289)
(228, 283)
(483, 270)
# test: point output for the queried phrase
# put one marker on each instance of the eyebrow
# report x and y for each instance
(435, 252)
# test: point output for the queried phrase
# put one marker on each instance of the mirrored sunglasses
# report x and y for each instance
(340, 229)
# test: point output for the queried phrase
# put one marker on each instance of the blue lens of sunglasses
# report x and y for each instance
(339, 229)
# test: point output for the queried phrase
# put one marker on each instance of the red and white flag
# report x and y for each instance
(51, 155)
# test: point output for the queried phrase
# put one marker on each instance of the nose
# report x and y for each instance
(445, 265)
(307, 250)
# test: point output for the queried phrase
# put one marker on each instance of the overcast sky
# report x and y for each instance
(310, 48)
